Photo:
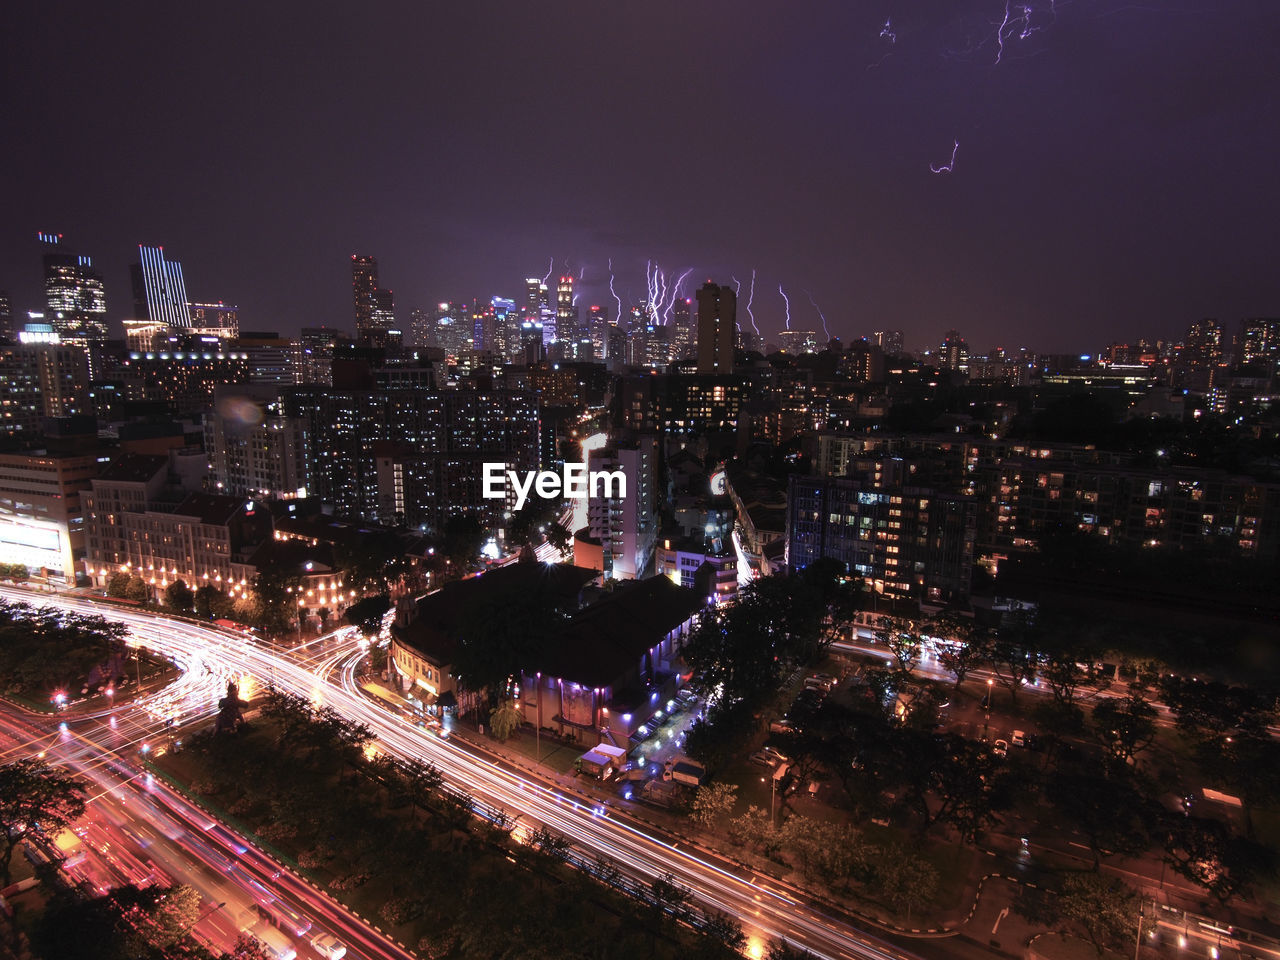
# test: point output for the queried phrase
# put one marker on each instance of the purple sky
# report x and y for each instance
(1115, 175)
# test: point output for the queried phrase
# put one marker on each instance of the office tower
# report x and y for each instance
(566, 311)
(7, 330)
(682, 327)
(890, 341)
(1196, 368)
(159, 293)
(42, 378)
(1260, 343)
(953, 354)
(717, 311)
(220, 319)
(76, 303)
(626, 526)
(422, 328)
(796, 342)
(454, 328)
(364, 288)
(254, 450)
(537, 298)
(312, 359)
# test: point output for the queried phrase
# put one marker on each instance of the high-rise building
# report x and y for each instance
(682, 328)
(626, 526)
(7, 330)
(159, 293)
(890, 341)
(220, 319)
(1196, 368)
(75, 300)
(1260, 343)
(312, 360)
(796, 342)
(566, 311)
(953, 354)
(42, 378)
(717, 311)
(364, 288)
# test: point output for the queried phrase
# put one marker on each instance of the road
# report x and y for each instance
(766, 911)
(137, 830)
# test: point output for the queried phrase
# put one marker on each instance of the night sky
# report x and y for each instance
(1115, 175)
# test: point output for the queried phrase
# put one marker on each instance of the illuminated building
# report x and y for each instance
(75, 301)
(1260, 344)
(219, 319)
(717, 312)
(135, 523)
(566, 327)
(41, 377)
(411, 454)
(364, 287)
(1197, 367)
(184, 379)
(454, 329)
(253, 449)
(626, 525)
(890, 341)
(682, 327)
(905, 540)
(796, 342)
(159, 293)
(7, 330)
(41, 524)
(312, 354)
(953, 354)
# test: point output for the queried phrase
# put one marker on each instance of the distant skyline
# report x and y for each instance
(1090, 172)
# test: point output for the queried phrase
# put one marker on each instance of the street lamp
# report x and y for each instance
(987, 717)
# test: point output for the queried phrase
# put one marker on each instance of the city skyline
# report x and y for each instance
(1083, 173)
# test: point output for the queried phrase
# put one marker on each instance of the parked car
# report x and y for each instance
(1019, 738)
(777, 754)
(760, 758)
(1000, 748)
(781, 726)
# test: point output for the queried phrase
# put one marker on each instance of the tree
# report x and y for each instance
(907, 880)
(246, 947)
(499, 636)
(967, 644)
(118, 586)
(277, 607)
(35, 798)
(1104, 908)
(505, 719)
(211, 603)
(1109, 811)
(1124, 725)
(711, 802)
(421, 781)
(367, 613)
(1207, 853)
(178, 596)
(463, 538)
(902, 638)
(137, 590)
(559, 536)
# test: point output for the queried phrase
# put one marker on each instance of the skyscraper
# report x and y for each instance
(75, 299)
(890, 341)
(717, 310)
(159, 293)
(364, 289)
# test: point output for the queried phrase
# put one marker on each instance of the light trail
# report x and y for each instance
(950, 164)
(714, 883)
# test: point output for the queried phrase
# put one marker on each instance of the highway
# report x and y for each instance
(765, 912)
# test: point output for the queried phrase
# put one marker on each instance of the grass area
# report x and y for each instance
(556, 755)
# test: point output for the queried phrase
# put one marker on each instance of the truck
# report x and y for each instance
(686, 771)
(275, 943)
(602, 760)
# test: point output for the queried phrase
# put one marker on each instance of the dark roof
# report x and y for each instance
(329, 530)
(134, 468)
(434, 626)
(292, 556)
(606, 640)
(212, 508)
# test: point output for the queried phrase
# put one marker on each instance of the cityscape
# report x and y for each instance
(626, 534)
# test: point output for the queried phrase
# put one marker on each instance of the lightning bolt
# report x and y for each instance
(886, 32)
(662, 294)
(675, 294)
(949, 165)
(582, 272)
(1017, 20)
(617, 298)
(786, 300)
(751, 295)
(825, 330)
(551, 268)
